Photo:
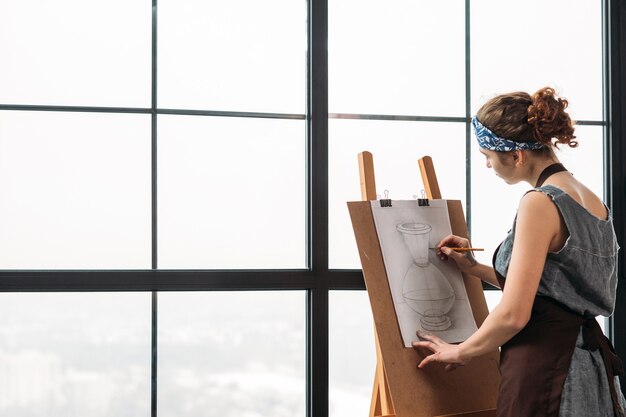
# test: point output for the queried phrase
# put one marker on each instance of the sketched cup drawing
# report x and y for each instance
(425, 288)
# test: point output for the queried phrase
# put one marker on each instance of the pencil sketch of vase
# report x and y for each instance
(425, 288)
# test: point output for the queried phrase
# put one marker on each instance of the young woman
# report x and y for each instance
(557, 268)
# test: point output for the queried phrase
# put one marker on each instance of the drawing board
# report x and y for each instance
(430, 391)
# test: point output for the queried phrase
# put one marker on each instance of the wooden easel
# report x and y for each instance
(399, 389)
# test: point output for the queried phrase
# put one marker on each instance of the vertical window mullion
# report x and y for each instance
(615, 50)
(317, 137)
(154, 341)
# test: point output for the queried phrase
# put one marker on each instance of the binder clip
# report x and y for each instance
(385, 202)
(423, 201)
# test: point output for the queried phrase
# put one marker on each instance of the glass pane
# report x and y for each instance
(352, 353)
(494, 206)
(490, 226)
(396, 147)
(400, 57)
(586, 161)
(493, 298)
(232, 354)
(237, 55)
(75, 52)
(527, 45)
(232, 193)
(75, 354)
(74, 190)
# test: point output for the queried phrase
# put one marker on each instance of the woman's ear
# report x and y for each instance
(519, 157)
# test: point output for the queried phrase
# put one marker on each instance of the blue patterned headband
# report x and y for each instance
(489, 140)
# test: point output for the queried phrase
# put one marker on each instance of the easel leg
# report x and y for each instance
(382, 405)
(375, 407)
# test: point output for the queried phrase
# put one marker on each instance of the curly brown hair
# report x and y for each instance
(521, 117)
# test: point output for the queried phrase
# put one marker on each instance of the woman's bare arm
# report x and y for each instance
(538, 223)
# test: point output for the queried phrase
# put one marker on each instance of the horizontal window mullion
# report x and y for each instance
(177, 280)
(220, 113)
(398, 117)
(147, 110)
(418, 118)
(77, 109)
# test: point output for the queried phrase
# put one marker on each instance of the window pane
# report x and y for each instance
(493, 298)
(400, 57)
(237, 55)
(232, 354)
(74, 190)
(75, 52)
(352, 353)
(586, 161)
(494, 205)
(232, 193)
(527, 45)
(396, 147)
(75, 354)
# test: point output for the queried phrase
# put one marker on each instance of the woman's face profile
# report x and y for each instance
(499, 162)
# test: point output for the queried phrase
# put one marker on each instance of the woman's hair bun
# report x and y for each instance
(549, 120)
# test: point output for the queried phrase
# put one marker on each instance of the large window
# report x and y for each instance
(174, 237)
(404, 84)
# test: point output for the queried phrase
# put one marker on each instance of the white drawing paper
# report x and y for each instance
(428, 294)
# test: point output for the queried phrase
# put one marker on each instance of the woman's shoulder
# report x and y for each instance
(538, 202)
(577, 196)
(538, 215)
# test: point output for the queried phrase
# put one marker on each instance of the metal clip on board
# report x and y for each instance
(385, 202)
(423, 201)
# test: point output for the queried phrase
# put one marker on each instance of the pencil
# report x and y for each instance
(463, 249)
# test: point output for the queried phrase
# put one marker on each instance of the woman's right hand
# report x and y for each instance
(464, 260)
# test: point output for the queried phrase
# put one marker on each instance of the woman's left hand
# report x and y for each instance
(443, 352)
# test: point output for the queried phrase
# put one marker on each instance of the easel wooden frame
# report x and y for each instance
(400, 389)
